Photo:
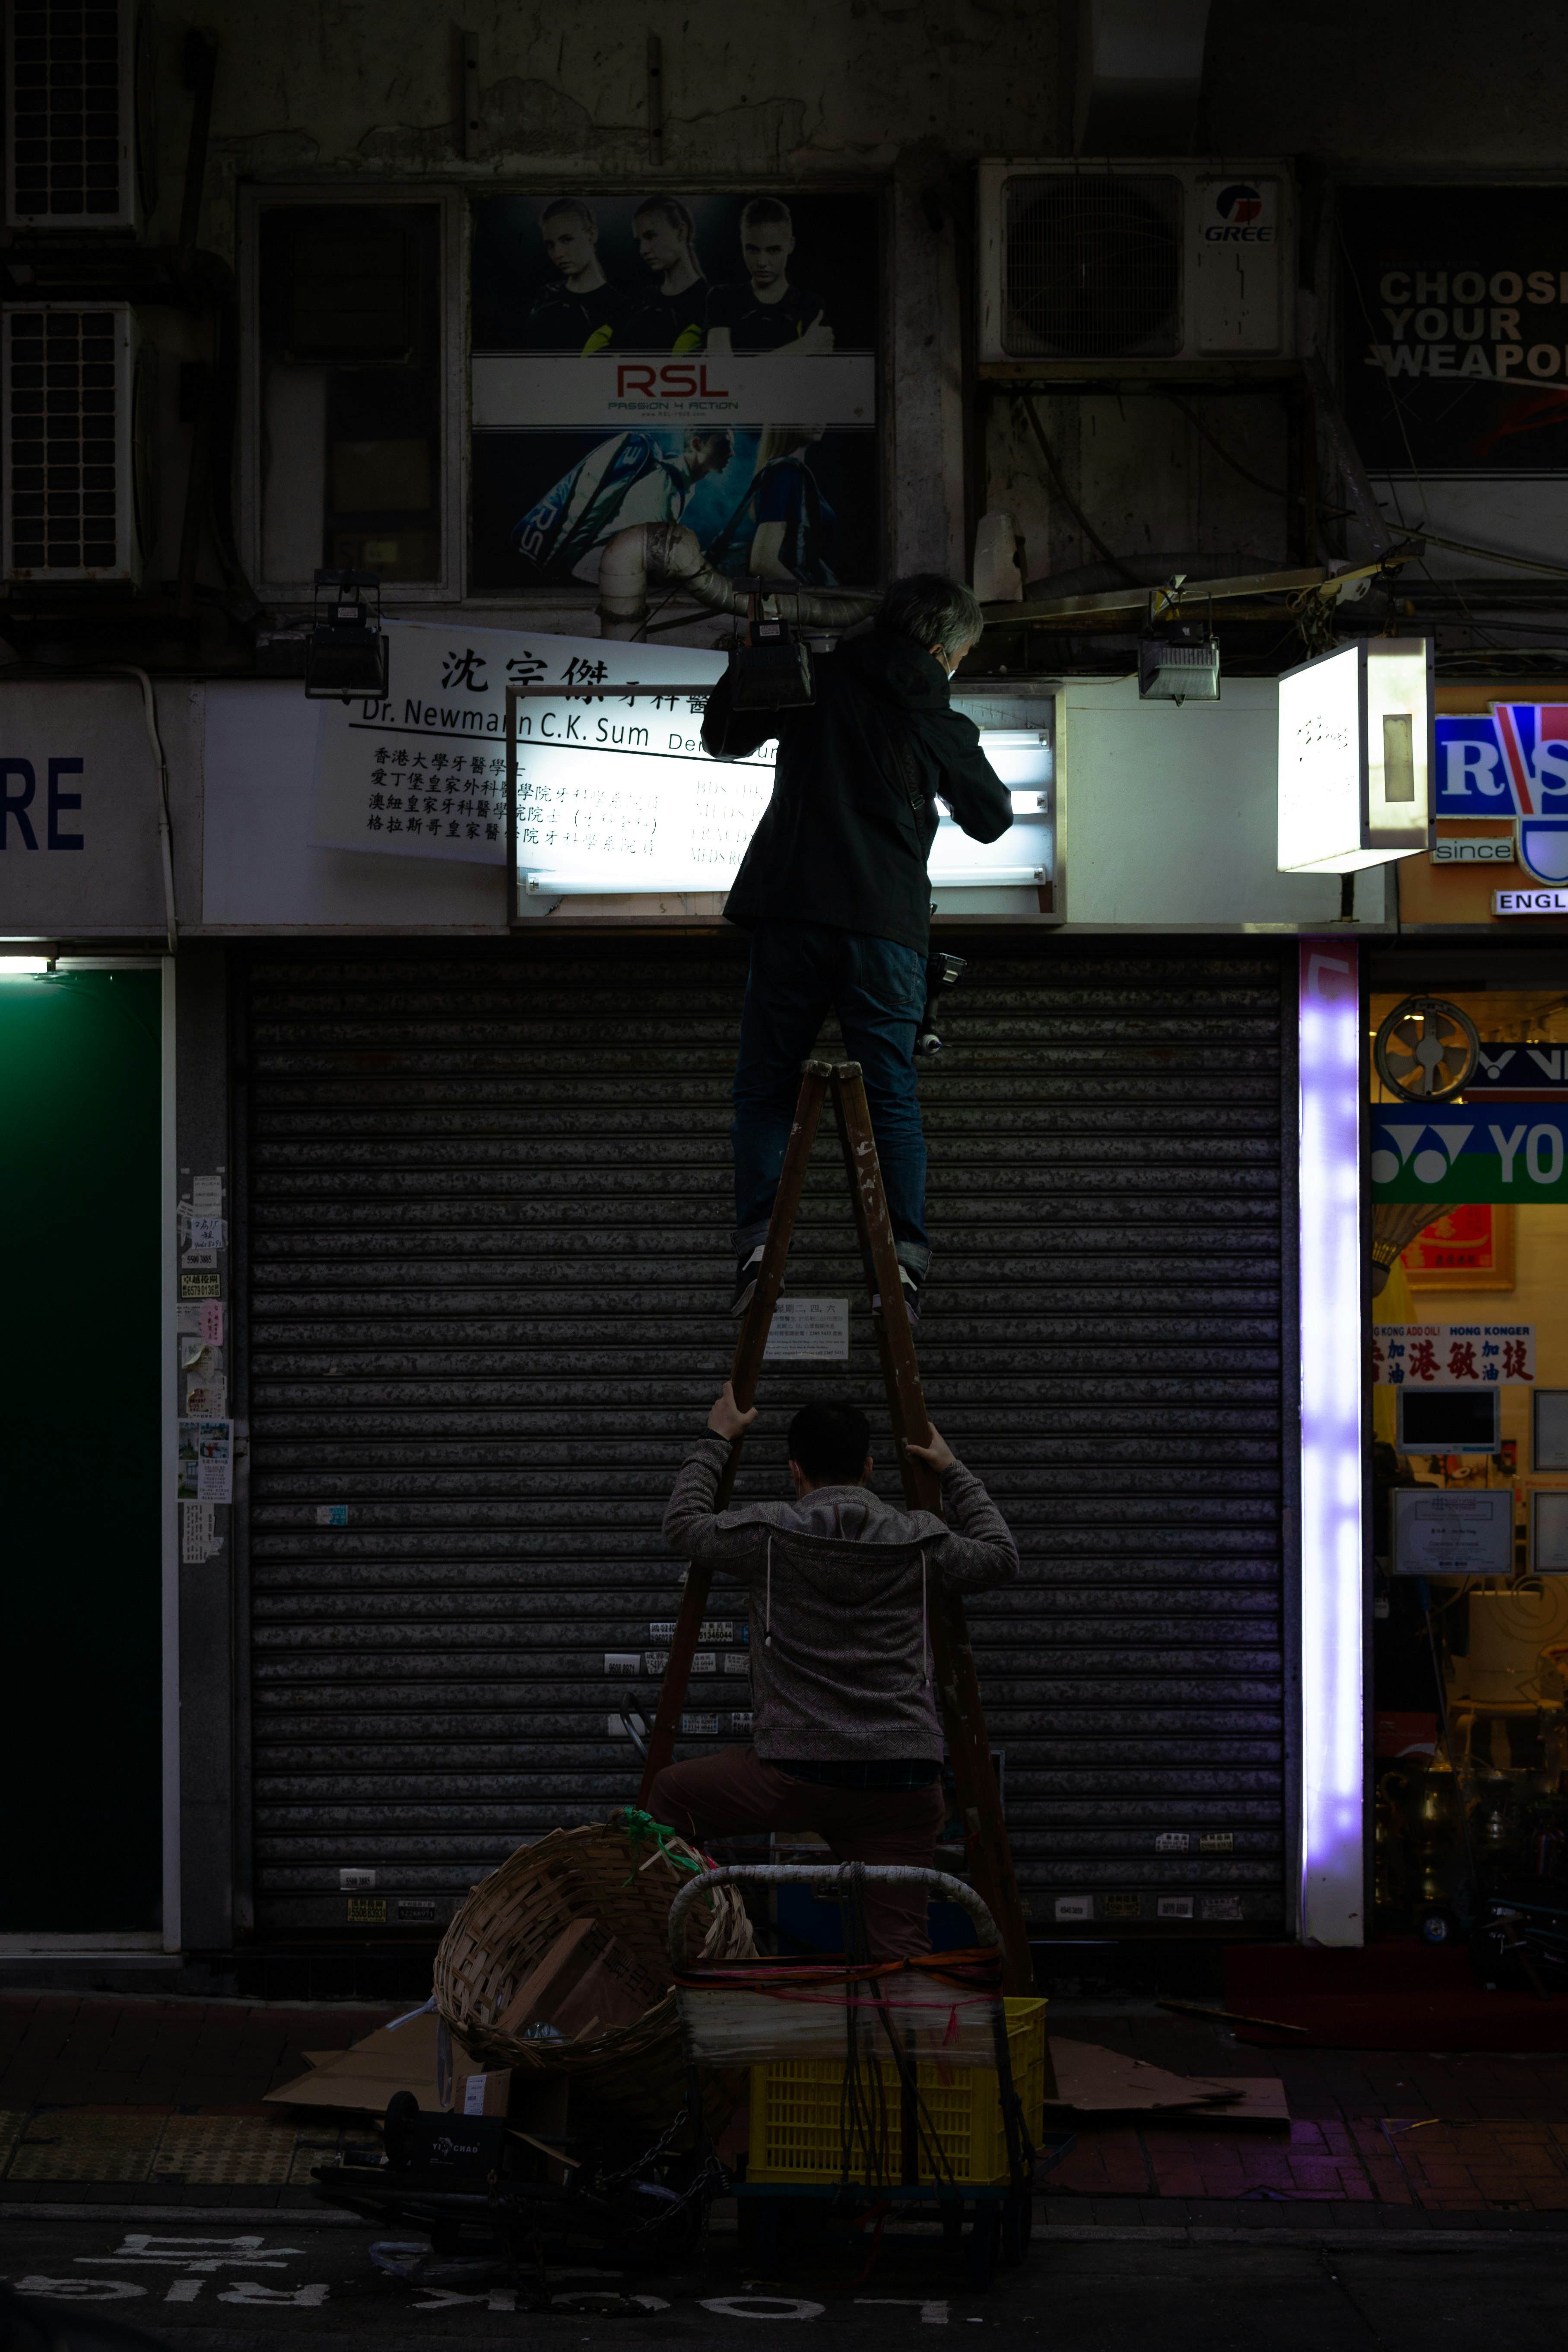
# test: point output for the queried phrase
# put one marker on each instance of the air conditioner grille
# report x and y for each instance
(1093, 267)
(67, 147)
(64, 449)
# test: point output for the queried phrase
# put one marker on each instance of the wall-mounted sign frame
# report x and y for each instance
(1356, 756)
(1465, 1531)
(576, 766)
(1549, 1431)
(1549, 1531)
(631, 803)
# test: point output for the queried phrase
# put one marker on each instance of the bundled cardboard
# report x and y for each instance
(552, 1978)
(586, 1983)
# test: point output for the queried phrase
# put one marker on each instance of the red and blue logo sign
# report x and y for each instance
(1239, 204)
(1511, 762)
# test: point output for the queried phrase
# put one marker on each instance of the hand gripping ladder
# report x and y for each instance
(986, 1838)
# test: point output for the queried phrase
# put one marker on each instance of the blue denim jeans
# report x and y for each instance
(799, 972)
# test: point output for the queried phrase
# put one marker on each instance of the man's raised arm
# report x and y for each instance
(979, 1550)
(690, 1524)
(981, 802)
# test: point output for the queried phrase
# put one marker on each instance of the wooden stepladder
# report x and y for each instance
(974, 1776)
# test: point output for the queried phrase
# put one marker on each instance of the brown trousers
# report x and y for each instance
(736, 1790)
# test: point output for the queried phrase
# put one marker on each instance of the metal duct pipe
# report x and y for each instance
(668, 551)
(1140, 76)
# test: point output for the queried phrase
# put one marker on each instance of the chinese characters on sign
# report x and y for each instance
(621, 792)
(1452, 1355)
(1470, 1248)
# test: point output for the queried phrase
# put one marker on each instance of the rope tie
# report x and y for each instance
(643, 1829)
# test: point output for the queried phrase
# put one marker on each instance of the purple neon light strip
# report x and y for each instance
(1332, 1904)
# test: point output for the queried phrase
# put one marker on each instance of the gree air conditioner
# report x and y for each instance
(1177, 265)
(80, 145)
(78, 483)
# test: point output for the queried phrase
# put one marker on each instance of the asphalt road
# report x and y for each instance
(242, 2284)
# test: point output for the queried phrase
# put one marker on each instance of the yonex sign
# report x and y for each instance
(1454, 1157)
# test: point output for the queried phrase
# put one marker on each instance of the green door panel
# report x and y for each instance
(81, 1565)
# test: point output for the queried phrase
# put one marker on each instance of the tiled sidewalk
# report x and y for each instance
(166, 2095)
(1446, 2132)
(72, 2050)
(1436, 2167)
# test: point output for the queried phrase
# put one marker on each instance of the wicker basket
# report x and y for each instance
(512, 1917)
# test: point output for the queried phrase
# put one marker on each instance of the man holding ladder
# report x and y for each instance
(848, 1740)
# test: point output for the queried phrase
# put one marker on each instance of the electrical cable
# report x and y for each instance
(1216, 444)
(1400, 419)
(1491, 555)
(1071, 504)
(166, 831)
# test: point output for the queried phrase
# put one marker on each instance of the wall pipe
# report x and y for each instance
(669, 551)
(165, 832)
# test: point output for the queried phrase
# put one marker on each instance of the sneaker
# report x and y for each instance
(746, 1275)
(909, 1282)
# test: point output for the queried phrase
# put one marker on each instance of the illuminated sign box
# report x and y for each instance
(615, 796)
(1355, 757)
(634, 804)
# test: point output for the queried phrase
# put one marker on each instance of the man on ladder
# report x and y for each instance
(846, 1736)
(834, 891)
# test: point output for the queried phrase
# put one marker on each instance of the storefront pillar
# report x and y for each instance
(1334, 1358)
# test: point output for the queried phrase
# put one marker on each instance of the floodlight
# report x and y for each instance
(346, 651)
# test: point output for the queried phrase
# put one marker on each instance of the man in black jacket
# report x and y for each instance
(834, 891)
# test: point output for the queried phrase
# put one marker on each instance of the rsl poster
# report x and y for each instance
(707, 359)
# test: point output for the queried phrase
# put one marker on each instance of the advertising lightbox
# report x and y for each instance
(616, 795)
(1355, 757)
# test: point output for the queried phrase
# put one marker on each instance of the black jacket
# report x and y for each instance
(846, 836)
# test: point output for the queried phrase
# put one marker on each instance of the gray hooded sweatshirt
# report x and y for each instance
(839, 1583)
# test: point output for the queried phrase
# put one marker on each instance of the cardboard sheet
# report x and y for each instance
(363, 2078)
(1094, 2081)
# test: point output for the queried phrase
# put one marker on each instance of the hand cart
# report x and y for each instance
(889, 2051)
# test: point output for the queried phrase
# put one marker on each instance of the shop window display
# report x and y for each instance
(1470, 1671)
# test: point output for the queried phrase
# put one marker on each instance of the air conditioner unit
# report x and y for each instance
(78, 483)
(1163, 264)
(78, 97)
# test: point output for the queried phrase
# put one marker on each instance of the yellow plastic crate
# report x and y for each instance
(796, 2108)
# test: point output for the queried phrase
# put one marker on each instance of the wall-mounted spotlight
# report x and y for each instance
(770, 667)
(346, 651)
(1178, 660)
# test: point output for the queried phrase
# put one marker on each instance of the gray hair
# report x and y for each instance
(929, 609)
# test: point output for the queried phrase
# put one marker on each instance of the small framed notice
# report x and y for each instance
(809, 1330)
(1549, 1531)
(1465, 1531)
(1551, 1447)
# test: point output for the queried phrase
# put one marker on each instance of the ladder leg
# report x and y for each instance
(973, 1772)
(745, 1371)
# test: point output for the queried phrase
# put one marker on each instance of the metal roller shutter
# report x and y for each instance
(487, 1202)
